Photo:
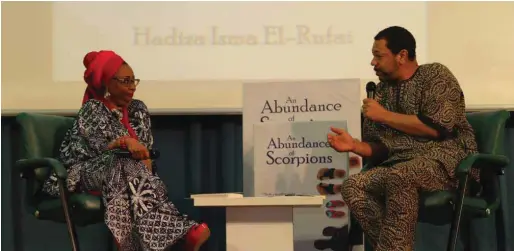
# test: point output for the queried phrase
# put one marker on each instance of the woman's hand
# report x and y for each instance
(138, 150)
(114, 144)
(148, 164)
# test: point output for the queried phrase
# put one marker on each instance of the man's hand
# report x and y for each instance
(341, 141)
(374, 111)
(409, 124)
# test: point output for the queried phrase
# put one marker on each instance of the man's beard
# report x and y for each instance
(385, 76)
(382, 76)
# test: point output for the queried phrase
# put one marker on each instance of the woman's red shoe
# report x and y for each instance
(197, 236)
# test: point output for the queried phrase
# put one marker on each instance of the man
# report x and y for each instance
(415, 134)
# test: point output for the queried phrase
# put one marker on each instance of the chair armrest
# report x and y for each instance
(366, 167)
(482, 160)
(154, 153)
(29, 165)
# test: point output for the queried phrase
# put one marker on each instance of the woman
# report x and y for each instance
(138, 211)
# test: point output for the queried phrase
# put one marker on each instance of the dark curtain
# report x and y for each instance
(199, 154)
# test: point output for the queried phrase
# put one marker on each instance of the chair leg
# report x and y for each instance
(67, 216)
(110, 242)
(500, 229)
(113, 244)
(356, 233)
(457, 214)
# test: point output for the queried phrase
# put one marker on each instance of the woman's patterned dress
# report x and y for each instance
(138, 211)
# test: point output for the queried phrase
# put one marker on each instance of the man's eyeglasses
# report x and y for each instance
(127, 81)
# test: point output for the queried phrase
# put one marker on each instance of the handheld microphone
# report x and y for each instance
(154, 153)
(370, 89)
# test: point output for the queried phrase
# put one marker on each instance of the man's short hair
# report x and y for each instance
(398, 38)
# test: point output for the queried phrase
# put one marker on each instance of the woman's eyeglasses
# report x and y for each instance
(127, 81)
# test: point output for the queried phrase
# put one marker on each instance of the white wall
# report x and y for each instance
(474, 39)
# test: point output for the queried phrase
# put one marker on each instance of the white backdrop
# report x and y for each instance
(229, 40)
(43, 47)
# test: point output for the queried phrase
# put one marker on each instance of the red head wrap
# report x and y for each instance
(101, 67)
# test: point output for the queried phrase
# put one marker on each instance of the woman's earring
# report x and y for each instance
(107, 94)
